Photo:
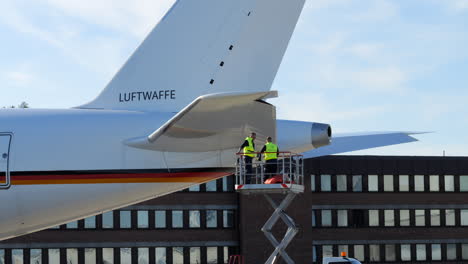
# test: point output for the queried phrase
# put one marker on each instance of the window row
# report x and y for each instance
(225, 184)
(156, 219)
(159, 255)
(389, 217)
(389, 183)
(395, 252)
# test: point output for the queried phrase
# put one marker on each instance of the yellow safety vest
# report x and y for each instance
(272, 149)
(250, 148)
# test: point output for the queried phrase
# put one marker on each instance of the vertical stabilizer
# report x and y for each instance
(202, 47)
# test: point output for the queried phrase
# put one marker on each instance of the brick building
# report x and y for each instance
(378, 209)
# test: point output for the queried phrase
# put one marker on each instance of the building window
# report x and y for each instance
(72, 256)
(420, 217)
(434, 183)
(195, 255)
(211, 186)
(373, 183)
(359, 252)
(194, 188)
(2, 256)
(89, 256)
(314, 218)
(420, 252)
(72, 225)
(211, 219)
(108, 220)
(451, 251)
(404, 183)
(160, 253)
(463, 183)
(143, 219)
(17, 256)
(358, 218)
(436, 252)
(325, 183)
(177, 219)
(194, 219)
(419, 183)
(226, 185)
(389, 217)
(449, 183)
(125, 255)
(450, 217)
(228, 218)
(108, 255)
(373, 217)
(160, 219)
(314, 253)
(178, 255)
(90, 222)
(125, 219)
(357, 183)
(374, 253)
(341, 183)
(54, 256)
(326, 218)
(312, 183)
(435, 217)
(390, 254)
(465, 251)
(464, 217)
(327, 251)
(405, 251)
(226, 254)
(388, 183)
(404, 217)
(35, 256)
(212, 255)
(143, 255)
(342, 218)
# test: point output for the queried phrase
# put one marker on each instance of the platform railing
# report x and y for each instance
(288, 167)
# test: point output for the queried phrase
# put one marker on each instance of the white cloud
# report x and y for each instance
(317, 108)
(135, 17)
(377, 10)
(388, 79)
(458, 5)
(18, 78)
(368, 51)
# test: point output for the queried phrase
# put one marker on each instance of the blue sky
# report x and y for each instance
(360, 65)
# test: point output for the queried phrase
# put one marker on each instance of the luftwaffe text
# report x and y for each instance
(147, 96)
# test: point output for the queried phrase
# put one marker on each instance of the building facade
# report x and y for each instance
(378, 209)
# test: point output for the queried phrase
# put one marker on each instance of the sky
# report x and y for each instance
(359, 65)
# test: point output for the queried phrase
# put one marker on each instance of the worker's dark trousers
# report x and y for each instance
(271, 168)
(248, 168)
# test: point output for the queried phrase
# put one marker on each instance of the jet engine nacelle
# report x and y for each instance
(298, 136)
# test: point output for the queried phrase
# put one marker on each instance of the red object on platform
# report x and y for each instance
(274, 180)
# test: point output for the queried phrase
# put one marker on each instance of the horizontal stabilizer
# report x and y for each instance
(353, 142)
(213, 122)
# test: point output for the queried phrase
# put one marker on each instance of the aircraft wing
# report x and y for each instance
(352, 142)
(214, 122)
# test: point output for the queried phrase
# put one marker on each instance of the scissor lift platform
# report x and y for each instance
(287, 177)
(282, 188)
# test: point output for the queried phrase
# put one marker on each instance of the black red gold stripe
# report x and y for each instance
(118, 176)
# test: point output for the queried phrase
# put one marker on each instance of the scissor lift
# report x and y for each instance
(287, 179)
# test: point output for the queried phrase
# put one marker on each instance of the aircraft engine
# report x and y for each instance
(298, 136)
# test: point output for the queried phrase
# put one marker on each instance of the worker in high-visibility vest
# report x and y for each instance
(270, 152)
(248, 150)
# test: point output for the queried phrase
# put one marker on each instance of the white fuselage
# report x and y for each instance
(69, 164)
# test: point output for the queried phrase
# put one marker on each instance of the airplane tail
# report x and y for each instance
(204, 47)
